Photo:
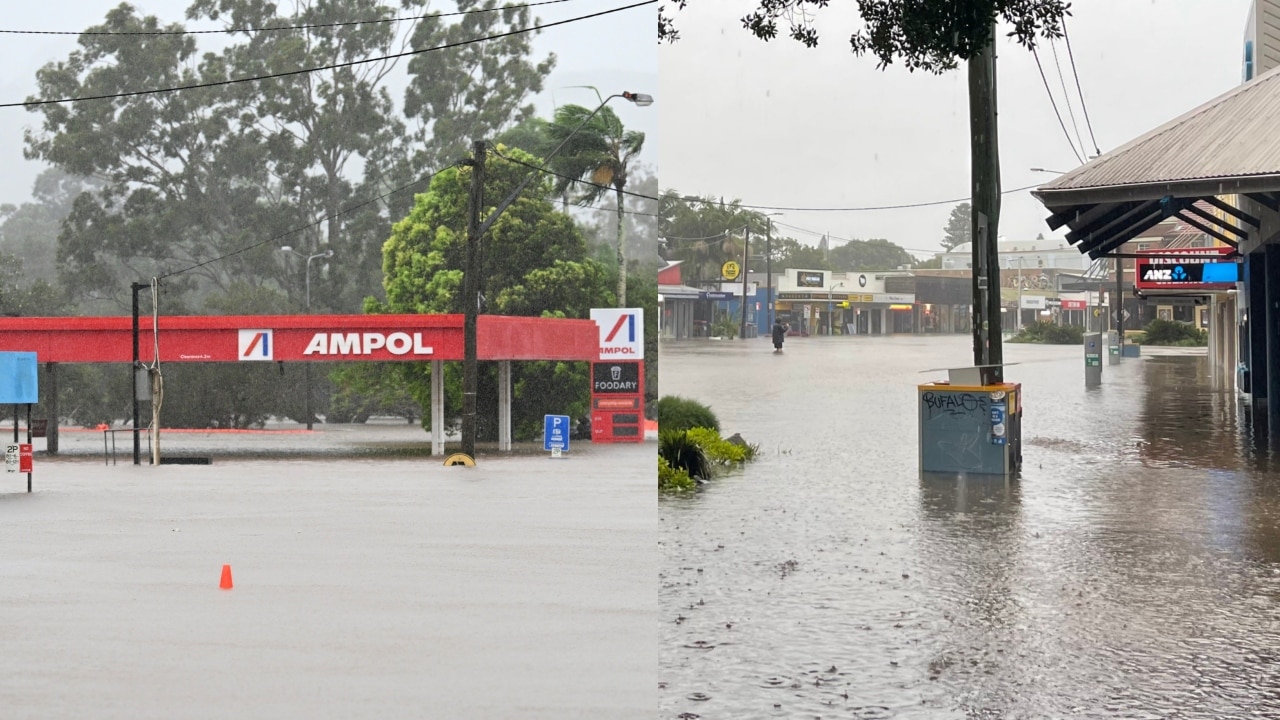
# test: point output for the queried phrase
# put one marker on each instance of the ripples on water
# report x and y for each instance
(1131, 572)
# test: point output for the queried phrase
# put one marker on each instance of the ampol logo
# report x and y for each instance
(256, 345)
(621, 332)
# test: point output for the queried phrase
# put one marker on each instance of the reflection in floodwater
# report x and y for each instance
(1133, 571)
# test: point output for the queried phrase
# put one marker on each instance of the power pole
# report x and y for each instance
(470, 299)
(985, 152)
(768, 273)
(137, 365)
(746, 244)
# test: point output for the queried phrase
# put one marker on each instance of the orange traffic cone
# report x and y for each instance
(226, 578)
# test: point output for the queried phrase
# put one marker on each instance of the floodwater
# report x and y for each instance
(1132, 572)
(364, 587)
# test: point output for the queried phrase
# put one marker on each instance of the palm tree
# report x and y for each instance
(596, 158)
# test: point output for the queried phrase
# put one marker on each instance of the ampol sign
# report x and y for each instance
(621, 332)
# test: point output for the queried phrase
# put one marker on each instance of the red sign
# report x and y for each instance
(617, 401)
(293, 338)
(1075, 304)
(24, 458)
(1182, 271)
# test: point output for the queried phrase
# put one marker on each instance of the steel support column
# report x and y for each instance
(437, 408)
(504, 405)
(1273, 338)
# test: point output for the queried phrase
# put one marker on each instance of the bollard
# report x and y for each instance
(1092, 360)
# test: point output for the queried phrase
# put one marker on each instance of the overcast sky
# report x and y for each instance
(779, 124)
(630, 63)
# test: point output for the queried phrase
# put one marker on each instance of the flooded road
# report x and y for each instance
(1132, 572)
(363, 588)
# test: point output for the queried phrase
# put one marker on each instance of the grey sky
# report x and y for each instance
(629, 64)
(778, 124)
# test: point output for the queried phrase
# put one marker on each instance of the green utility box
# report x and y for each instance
(973, 429)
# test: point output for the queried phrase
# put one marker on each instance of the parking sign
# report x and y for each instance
(555, 432)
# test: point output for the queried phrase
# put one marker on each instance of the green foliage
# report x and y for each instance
(720, 450)
(534, 262)
(930, 35)
(725, 327)
(181, 178)
(682, 453)
(672, 479)
(933, 263)
(678, 413)
(596, 154)
(959, 229)
(695, 229)
(869, 255)
(1047, 333)
(1172, 332)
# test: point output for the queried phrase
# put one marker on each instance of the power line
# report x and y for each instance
(1066, 95)
(1055, 105)
(1080, 92)
(300, 228)
(866, 208)
(220, 83)
(278, 29)
(549, 171)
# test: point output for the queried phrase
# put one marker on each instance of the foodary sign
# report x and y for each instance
(1187, 269)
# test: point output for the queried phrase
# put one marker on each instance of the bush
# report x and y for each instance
(677, 413)
(682, 453)
(718, 449)
(1047, 333)
(1172, 332)
(725, 328)
(671, 479)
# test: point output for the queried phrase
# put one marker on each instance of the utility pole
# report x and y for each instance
(768, 272)
(137, 365)
(985, 152)
(746, 244)
(470, 299)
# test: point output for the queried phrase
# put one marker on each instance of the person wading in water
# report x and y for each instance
(779, 334)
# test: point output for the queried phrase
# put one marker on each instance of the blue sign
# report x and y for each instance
(18, 378)
(1223, 272)
(997, 414)
(555, 432)
(717, 295)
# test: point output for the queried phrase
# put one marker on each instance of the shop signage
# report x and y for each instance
(1186, 273)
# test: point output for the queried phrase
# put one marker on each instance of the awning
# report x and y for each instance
(1227, 146)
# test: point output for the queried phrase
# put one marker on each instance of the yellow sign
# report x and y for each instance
(730, 270)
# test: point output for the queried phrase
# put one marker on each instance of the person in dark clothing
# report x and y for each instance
(779, 334)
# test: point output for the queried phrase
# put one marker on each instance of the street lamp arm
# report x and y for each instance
(506, 202)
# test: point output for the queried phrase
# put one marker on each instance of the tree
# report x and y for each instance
(930, 35)
(641, 225)
(874, 254)
(534, 261)
(795, 255)
(958, 230)
(190, 176)
(473, 91)
(30, 231)
(601, 153)
(705, 232)
(933, 263)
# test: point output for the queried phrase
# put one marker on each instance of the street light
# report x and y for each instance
(325, 254)
(470, 282)
(306, 367)
(1055, 172)
(831, 311)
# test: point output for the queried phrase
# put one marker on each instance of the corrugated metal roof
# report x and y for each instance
(1233, 135)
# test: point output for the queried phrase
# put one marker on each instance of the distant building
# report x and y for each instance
(1022, 254)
